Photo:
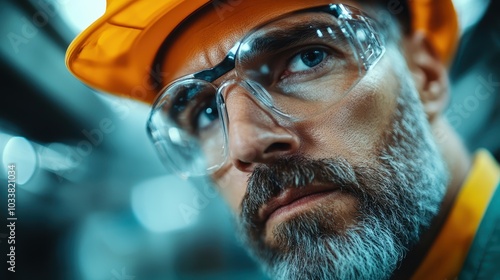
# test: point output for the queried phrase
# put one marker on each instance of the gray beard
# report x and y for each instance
(397, 201)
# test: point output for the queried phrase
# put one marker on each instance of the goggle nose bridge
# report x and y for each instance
(256, 91)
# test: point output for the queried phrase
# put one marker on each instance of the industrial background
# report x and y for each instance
(94, 202)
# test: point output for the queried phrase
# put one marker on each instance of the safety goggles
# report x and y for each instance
(295, 66)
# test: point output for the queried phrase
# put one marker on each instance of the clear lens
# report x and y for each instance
(305, 62)
(186, 129)
(297, 66)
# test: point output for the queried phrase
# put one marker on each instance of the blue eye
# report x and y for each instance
(206, 115)
(306, 60)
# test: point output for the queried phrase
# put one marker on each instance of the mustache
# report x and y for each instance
(269, 180)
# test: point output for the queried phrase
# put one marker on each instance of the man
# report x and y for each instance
(320, 123)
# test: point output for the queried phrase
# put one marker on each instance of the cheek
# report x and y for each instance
(354, 128)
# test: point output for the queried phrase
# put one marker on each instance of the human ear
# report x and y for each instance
(429, 74)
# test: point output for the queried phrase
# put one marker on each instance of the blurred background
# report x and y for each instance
(92, 199)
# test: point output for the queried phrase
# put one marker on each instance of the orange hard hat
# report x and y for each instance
(116, 53)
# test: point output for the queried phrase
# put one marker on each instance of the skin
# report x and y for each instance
(354, 126)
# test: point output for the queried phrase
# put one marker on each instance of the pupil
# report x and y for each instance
(211, 111)
(312, 58)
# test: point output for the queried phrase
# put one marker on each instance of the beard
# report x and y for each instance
(397, 199)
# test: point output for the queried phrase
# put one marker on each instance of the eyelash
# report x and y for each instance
(196, 113)
(293, 76)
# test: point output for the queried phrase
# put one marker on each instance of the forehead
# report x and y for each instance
(204, 39)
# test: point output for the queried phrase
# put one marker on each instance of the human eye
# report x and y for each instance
(193, 106)
(205, 114)
(306, 62)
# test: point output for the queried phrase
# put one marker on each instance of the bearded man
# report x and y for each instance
(320, 123)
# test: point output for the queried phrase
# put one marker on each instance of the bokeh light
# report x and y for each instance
(20, 152)
(160, 204)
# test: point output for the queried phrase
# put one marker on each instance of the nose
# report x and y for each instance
(255, 135)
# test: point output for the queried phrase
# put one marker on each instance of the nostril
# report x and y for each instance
(243, 165)
(278, 147)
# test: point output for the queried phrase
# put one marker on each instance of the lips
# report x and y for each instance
(290, 196)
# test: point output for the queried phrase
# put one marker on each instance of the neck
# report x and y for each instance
(459, 162)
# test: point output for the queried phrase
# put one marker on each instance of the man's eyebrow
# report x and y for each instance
(295, 35)
(272, 41)
(226, 65)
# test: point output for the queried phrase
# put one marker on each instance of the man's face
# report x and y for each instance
(341, 195)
